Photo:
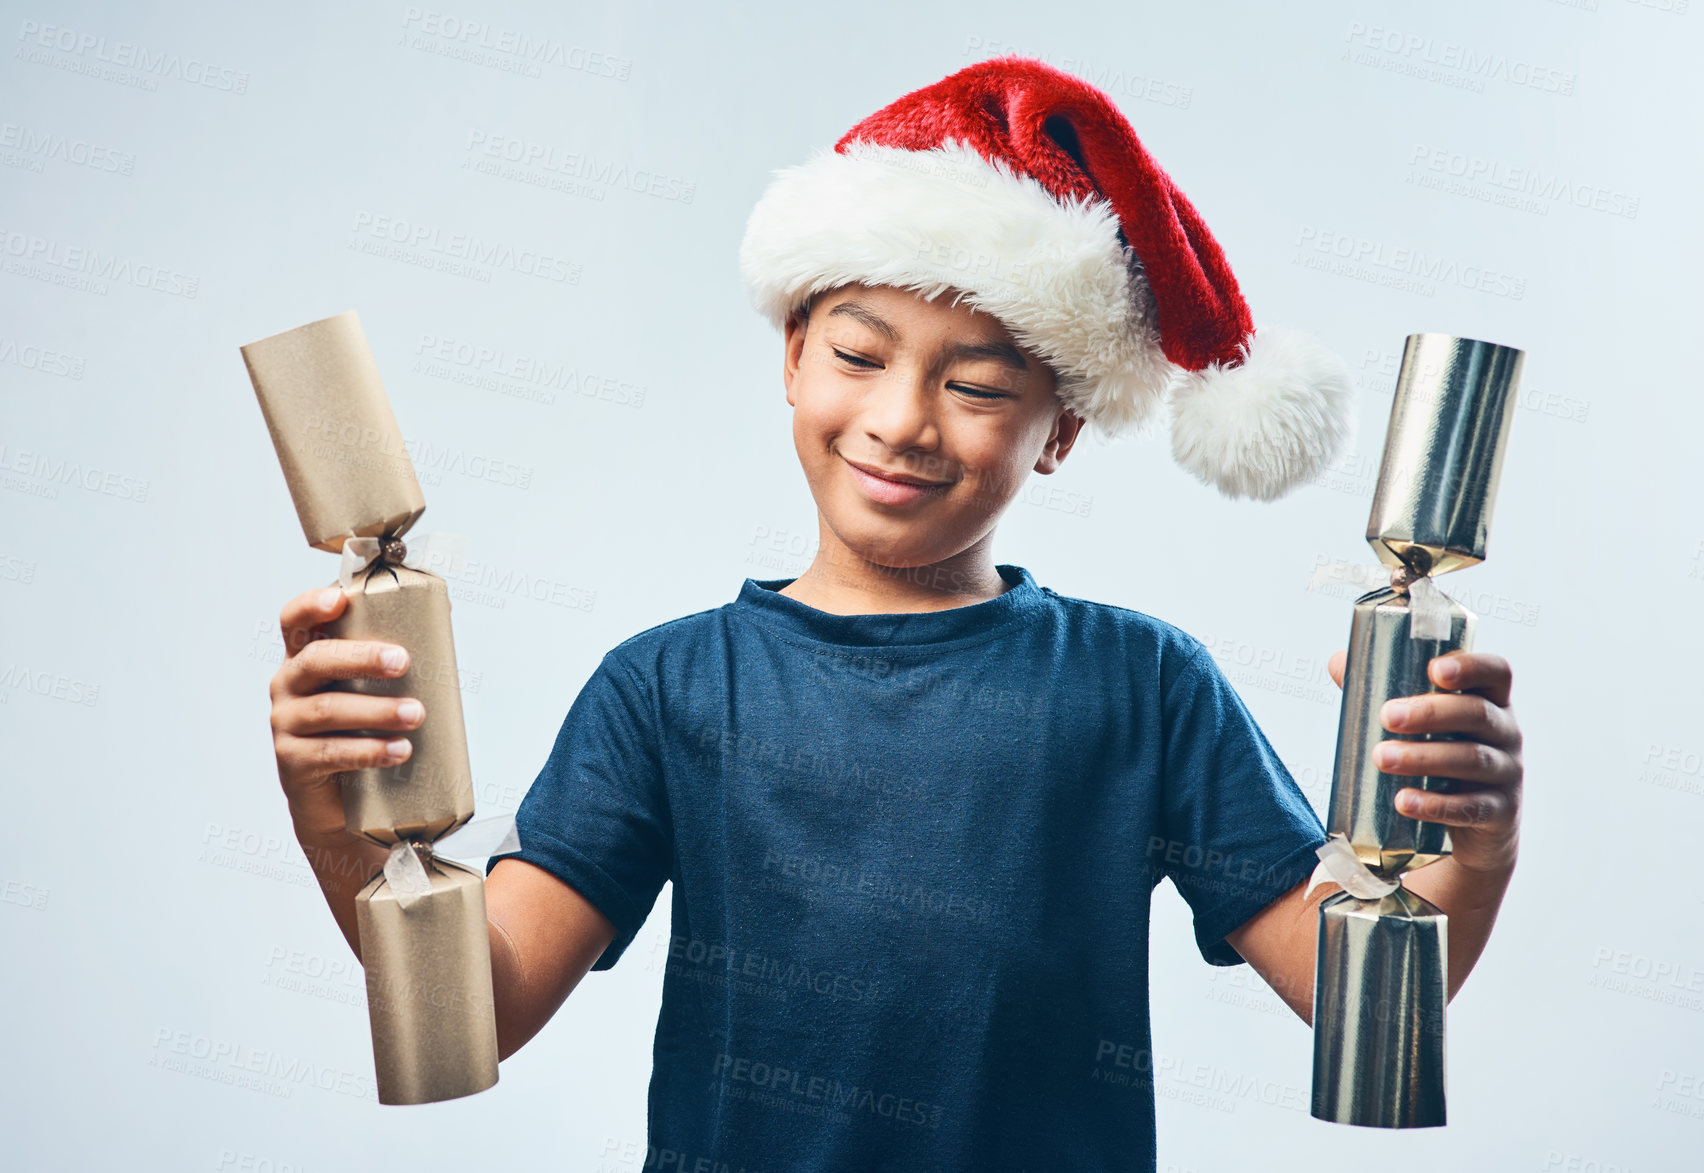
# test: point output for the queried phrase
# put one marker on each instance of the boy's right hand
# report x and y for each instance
(544, 935)
(311, 722)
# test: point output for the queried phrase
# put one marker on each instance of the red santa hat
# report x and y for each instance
(1025, 190)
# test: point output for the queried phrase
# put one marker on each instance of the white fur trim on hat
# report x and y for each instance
(1274, 422)
(1056, 274)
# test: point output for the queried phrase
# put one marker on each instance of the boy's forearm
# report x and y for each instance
(1470, 899)
(1282, 941)
(342, 864)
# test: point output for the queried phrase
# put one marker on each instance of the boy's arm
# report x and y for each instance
(1281, 940)
(1483, 815)
(544, 938)
(544, 934)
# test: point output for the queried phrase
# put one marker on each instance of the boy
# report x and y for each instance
(912, 803)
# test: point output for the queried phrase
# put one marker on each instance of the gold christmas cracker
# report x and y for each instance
(421, 920)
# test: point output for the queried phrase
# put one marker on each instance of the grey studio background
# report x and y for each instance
(589, 399)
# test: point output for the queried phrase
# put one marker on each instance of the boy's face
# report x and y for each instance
(884, 384)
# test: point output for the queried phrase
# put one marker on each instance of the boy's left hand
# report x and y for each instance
(1484, 812)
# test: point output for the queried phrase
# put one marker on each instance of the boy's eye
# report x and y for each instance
(864, 364)
(861, 363)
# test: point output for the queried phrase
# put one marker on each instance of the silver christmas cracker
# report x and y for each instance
(1382, 977)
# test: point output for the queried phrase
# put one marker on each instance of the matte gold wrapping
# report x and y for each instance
(336, 436)
(1384, 663)
(429, 997)
(1378, 1020)
(430, 793)
(428, 965)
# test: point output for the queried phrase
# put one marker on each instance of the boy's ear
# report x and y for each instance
(1067, 426)
(792, 349)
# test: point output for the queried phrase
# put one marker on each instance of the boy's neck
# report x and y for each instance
(842, 582)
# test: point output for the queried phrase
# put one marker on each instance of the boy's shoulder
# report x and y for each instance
(1098, 620)
(650, 642)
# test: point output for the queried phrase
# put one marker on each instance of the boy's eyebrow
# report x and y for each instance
(1001, 352)
(859, 312)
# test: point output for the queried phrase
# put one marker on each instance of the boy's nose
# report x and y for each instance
(900, 412)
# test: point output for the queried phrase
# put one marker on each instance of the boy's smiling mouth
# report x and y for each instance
(892, 488)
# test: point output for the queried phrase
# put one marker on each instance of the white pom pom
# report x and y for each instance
(1262, 428)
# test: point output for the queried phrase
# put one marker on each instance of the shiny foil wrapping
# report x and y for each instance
(429, 995)
(335, 433)
(428, 961)
(1378, 1019)
(1385, 662)
(429, 793)
(1382, 981)
(1443, 454)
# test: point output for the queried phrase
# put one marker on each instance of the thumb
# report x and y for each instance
(1335, 664)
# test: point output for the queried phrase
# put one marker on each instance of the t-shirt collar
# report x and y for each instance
(761, 600)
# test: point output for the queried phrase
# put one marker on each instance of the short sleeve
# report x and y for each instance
(1238, 832)
(597, 817)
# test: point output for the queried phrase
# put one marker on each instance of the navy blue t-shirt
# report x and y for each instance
(912, 857)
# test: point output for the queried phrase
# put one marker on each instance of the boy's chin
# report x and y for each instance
(899, 546)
